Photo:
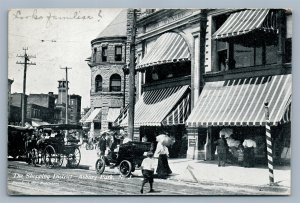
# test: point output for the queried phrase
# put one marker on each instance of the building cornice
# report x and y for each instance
(181, 22)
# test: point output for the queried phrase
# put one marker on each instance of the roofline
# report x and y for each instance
(109, 39)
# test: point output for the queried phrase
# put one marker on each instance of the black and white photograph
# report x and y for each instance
(149, 101)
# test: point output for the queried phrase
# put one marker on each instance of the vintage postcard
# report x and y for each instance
(149, 101)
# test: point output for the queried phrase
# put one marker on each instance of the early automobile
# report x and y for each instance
(60, 145)
(128, 157)
(18, 141)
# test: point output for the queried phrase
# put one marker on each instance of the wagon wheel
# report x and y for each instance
(34, 157)
(125, 168)
(51, 158)
(73, 159)
(60, 160)
(100, 166)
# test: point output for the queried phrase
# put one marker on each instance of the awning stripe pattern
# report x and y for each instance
(244, 22)
(154, 105)
(94, 116)
(180, 113)
(287, 114)
(112, 114)
(240, 102)
(82, 120)
(121, 116)
(168, 48)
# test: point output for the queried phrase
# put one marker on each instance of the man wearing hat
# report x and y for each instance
(222, 148)
(102, 143)
(148, 171)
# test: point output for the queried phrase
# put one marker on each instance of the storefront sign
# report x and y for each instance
(192, 142)
(168, 20)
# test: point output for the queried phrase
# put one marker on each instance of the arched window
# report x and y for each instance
(98, 83)
(115, 83)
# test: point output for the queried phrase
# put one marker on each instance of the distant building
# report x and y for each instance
(40, 108)
(15, 117)
(74, 105)
(9, 96)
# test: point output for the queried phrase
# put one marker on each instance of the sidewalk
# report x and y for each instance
(208, 172)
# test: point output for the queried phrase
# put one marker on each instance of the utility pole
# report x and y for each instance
(132, 77)
(67, 87)
(25, 63)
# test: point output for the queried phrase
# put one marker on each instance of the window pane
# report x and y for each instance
(115, 83)
(271, 54)
(258, 56)
(118, 50)
(243, 56)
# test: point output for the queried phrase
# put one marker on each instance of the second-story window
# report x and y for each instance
(118, 53)
(95, 55)
(98, 83)
(115, 83)
(104, 54)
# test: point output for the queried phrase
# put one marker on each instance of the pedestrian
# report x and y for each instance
(148, 171)
(162, 153)
(249, 156)
(102, 144)
(240, 155)
(222, 148)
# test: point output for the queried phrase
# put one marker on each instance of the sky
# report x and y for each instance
(57, 38)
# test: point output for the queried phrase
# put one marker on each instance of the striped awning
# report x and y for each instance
(240, 102)
(94, 116)
(112, 114)
(82, 120)
(180, 112)
(121, 116)
(155, 105)
(168, 48)
(243, 22)
(287, 114)
(39, 123)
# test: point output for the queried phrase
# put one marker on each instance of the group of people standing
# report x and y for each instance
(244, 153)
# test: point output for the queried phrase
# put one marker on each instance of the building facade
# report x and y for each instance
(74, 105)
(247, 72)
(109, 92)
(167, 51)
(9, 97)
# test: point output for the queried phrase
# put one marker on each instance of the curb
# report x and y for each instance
(268, 188)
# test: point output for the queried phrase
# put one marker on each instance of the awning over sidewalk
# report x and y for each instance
(94, 116)
(240, 102)
(168, 48)
(112, 114)
(83, 119)
(121, 116)
(243, 22)
(39, 123)
(155, 105)
(180, 112)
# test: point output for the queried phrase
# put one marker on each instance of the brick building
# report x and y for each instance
(9, 96)
(74, 105)
(108, 80)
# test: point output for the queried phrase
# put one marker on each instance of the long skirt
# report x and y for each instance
(249, 158)
(163, 168)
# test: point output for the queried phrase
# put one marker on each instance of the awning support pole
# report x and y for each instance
(269, 144)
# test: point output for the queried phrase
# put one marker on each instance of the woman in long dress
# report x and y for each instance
(162, 154)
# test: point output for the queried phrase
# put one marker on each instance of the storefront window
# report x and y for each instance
(271, 54)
